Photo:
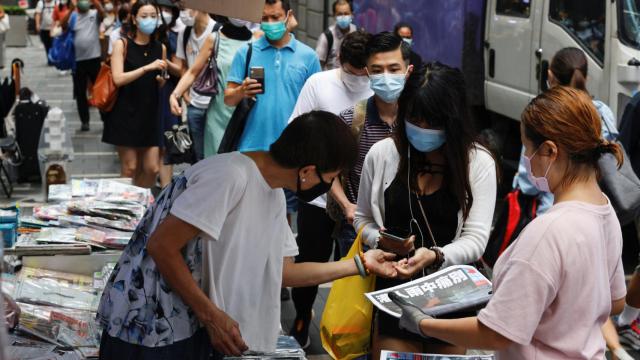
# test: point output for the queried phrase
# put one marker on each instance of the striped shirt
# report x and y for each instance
(374, 130)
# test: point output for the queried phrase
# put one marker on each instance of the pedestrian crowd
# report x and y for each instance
(363, 137)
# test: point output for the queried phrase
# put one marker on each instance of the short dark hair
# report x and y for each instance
(400, 25)
(385, 42)
(317, 138)
(341, 2)
(286, 5)
(353, 49)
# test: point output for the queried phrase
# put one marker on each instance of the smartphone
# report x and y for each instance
(257, 73)
(396, 235)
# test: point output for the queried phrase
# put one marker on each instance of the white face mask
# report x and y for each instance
(354, 83)
(167, 16)
(187, 18)
(239, 22)
(108, 7)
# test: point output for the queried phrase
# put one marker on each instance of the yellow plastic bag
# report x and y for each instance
(345, 328)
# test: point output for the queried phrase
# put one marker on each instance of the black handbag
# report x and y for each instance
(238, 120)
(178, 146)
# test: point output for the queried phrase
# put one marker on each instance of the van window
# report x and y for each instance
(518, 8)
(584, 20)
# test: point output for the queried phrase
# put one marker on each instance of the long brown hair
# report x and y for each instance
(568, 117)
(570, 68)
(436, 94)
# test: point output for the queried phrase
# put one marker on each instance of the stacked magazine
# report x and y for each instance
(392, 355)
(455, 288)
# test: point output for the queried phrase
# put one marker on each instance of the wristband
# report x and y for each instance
(364, 263)
(437, 264)
(360, 266)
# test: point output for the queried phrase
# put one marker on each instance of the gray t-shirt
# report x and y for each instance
(87, 35)
(45, 9)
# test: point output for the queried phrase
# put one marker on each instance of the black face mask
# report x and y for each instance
(311, 194)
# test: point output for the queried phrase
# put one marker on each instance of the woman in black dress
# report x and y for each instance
(133, 124)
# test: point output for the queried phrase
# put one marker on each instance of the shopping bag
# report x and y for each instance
(62, 53)
(345, 328)
(178, 146)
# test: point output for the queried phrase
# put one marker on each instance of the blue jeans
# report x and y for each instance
(197, 119)
(345, 236)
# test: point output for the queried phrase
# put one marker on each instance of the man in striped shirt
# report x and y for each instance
(388, 68)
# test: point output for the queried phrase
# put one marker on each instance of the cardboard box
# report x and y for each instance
(250, 10)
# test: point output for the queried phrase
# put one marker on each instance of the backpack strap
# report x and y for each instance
(249, 53)
(359, 117)
(216, 27)
(329, 36)
(185, 39)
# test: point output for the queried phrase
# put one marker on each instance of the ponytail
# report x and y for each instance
(607, 147)
(570, 68)
(578, 80)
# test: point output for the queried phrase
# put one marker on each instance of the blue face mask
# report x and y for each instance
(408, 41)
(274, 31)
(424, 140)
(147, 25)
(388, 86)
(344, 21)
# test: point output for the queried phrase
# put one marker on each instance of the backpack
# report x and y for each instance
(187, 35)
(333, 209)
(516, 212)
(62, 53)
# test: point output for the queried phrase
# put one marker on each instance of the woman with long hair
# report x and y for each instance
(232, 36)
(133, 125)
(556, 285)
(431, 183)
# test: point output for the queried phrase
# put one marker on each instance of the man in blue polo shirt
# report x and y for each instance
(287, 64)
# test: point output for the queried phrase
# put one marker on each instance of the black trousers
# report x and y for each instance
(315, 244)
(45, 37)
(86, 70)
(197, 347)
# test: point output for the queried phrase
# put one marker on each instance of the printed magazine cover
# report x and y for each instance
(392, 355)
(455, 288)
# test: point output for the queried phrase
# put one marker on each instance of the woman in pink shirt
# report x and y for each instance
(557, 284)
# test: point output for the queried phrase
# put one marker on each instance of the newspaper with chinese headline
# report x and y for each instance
(455, 288)
(392, 355)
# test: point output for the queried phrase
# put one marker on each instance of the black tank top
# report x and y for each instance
(441, 209)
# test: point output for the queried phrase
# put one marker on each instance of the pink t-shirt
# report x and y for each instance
(554, 286)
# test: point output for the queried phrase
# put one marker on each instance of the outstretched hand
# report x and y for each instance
(381, 263)
(422, 258)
